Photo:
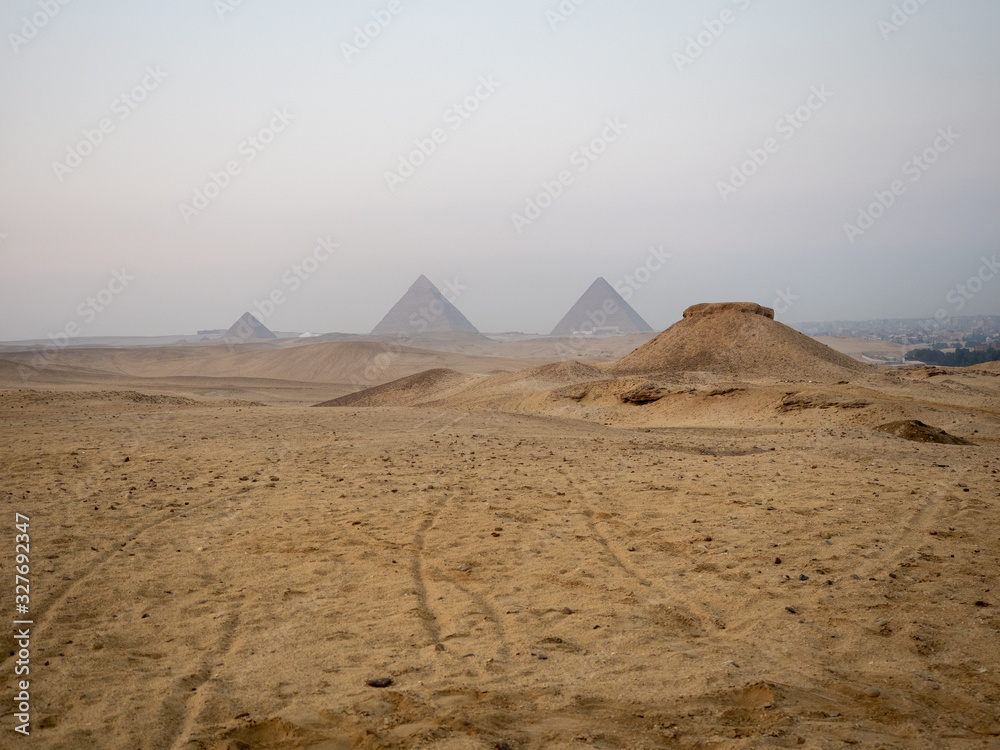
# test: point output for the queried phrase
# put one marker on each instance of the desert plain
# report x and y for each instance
(705, 543)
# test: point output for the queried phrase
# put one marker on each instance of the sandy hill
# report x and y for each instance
(738, 340)
(411, 390)
(987, 367)
(248, 327)
(450, 389)
(601, 310)
(423, 309)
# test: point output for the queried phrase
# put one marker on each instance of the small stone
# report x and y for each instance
(873, 692)
(791, 609)
(567, 611)
(465, 567)
(439, 647)
(803, 577)
(379, 682)
(777, 561)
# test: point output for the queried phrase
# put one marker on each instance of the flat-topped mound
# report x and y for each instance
(711, 308)
(738, 340)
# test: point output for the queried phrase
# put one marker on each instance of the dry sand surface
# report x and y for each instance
(560, 557)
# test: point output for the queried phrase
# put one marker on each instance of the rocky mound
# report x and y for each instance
(712, 308)
(917, 431)
(738, 340)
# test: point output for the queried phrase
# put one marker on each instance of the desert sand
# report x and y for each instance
(707, 542)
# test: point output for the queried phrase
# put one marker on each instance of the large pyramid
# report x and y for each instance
(601, 310)
(423, 309)
(248, 327)
(738, 339)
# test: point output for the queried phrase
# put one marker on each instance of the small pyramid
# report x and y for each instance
(248, 327)
(423, 309)
(602, 311)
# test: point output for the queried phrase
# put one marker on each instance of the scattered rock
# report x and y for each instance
(917, 431)
(379, 682)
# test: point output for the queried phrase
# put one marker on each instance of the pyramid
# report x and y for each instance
(738, 339)
(423, 309)
(601, 310)
(248, 327)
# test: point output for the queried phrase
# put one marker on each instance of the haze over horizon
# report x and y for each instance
(183, 161)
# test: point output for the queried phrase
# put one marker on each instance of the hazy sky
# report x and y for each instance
(200, 150)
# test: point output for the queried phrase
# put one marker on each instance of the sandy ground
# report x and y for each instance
(753, 568)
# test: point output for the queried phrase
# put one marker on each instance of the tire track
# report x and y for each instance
(418, 573)
(189, 702)
(681, 607)
(40, 615)
(935, 512)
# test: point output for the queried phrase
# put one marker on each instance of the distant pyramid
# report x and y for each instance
(423, 309)
(248, 327)
(601, 310)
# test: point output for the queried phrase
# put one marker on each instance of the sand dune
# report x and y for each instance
(339, 362)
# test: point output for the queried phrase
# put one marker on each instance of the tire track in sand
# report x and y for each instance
(61, 593)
